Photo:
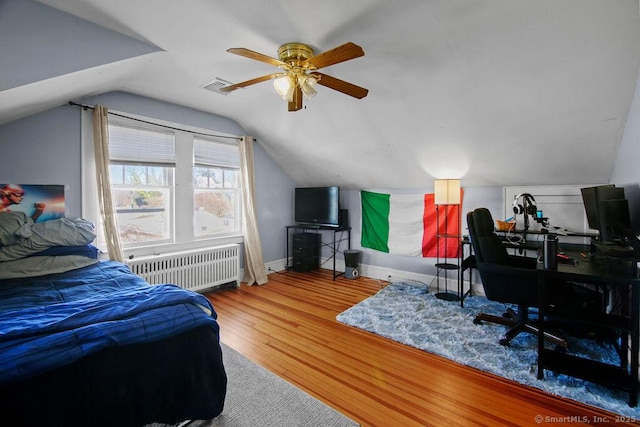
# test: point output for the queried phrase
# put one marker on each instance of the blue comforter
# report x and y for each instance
(51, 321)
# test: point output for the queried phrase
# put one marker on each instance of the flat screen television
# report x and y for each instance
(317, 206)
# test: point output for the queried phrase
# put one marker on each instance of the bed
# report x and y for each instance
(86, 342)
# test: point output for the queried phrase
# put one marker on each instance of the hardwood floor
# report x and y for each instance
(288, 326)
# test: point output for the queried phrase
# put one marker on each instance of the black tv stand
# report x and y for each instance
(318, 229)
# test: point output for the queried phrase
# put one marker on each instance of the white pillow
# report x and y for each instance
(41, 265)
(14, 227)
(57, 232)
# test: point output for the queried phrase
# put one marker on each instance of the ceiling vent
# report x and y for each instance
(216, 84)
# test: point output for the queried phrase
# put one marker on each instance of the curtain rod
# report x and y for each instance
(88, 107)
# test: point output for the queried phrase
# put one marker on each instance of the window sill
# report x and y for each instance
(181, 246)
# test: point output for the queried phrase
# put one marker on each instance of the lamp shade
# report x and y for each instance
(285, 86)
(446, 191)
(307, 84)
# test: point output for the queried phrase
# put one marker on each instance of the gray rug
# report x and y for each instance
(258, 398)
(406, 313)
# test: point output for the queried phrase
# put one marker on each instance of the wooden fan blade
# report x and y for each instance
(249, 82)
(296, 103)
(341, 86)
(247, 53)
(336, 55)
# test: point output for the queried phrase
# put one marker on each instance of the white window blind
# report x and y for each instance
(211, 153)
(141, 146)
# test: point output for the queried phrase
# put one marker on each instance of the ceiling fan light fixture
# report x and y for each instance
(298, 78)
(285, 87)
(308, 86)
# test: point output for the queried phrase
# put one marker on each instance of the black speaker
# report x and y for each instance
(343, 220)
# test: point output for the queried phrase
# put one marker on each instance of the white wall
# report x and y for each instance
(44, 149)
(626, 170)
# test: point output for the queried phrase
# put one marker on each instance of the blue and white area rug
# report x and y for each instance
(406, 313)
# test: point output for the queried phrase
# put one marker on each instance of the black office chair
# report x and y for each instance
(508, 279)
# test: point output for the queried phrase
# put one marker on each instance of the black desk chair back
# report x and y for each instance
(508, 279)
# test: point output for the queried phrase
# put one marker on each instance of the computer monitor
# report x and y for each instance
(592, 196)
(615, 221)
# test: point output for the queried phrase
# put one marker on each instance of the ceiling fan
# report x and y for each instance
(299, 74)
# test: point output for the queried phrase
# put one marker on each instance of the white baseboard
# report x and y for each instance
(382, 273)
(275, 266)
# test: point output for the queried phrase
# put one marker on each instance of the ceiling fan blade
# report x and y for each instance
(247, 53)
(341, 86)
(249, 82)
(296, 103)
(336, 55)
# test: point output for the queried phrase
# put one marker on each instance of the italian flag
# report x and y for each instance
(405, 224)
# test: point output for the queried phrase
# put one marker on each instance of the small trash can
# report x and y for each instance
(351, 261)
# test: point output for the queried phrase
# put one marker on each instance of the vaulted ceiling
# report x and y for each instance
(497, 92)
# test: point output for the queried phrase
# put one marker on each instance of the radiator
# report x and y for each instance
(194, 269)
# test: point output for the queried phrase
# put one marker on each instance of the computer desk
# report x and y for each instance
(620, 273)
(468, 262)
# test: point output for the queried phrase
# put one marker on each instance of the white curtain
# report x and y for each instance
(107, 211)
(254, 270)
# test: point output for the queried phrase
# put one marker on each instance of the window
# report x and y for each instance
(171, 187)
(216, 188)
(142, 164)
